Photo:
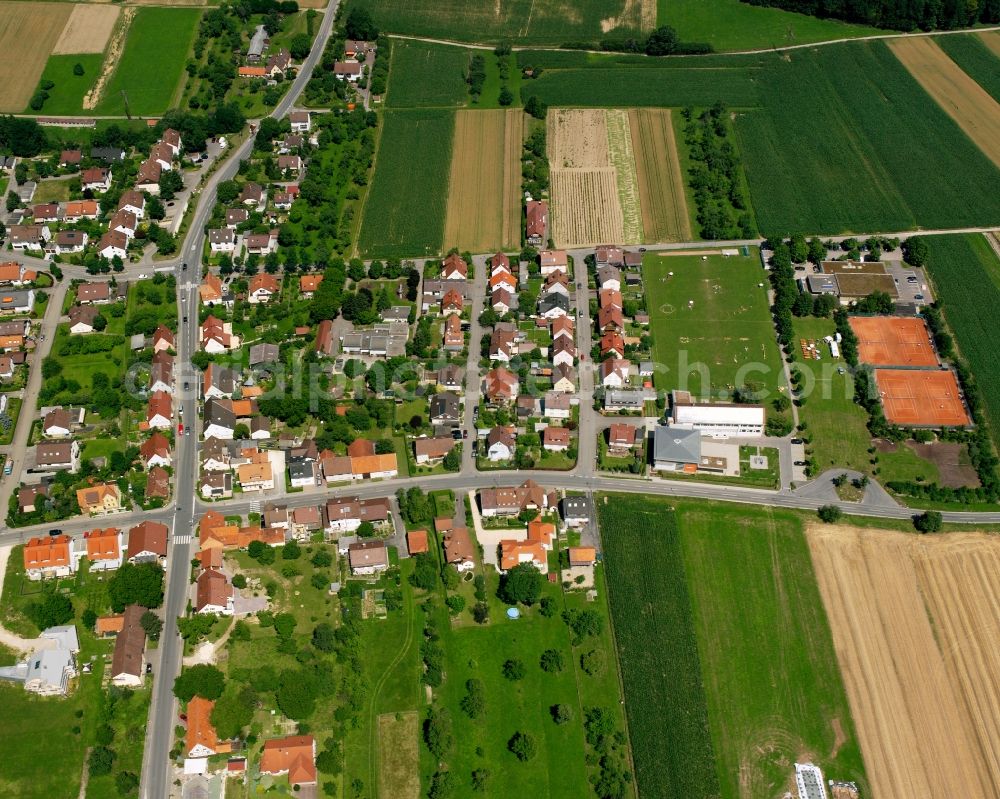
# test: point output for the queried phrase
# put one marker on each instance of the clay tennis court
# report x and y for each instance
(924, 398)
(893, 341)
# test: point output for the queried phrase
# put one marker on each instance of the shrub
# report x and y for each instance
(523, 746)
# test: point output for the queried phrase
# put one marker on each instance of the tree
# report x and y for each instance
(438, 732)
(914, 250)
(453, 460)
(54, 610)
(425, 572)
(561, 714)
(521, 584)
(241, 432)
(78, 69)
(829, 514)
(13, 201)
(536, 107)
(360, 25)
(523, 746)
(101, 761)
(88, 618)
(151, 624)
(481, 612)
(239, 581)
(126, 782)
(321, 558)
(455, 603)
(324, 637)
(170, 183)
(662, 41)
(583, 623)
(473, 704)
(291, 550)
(441, 785)
(928, 522)
(300, 46)
(233, 712)
(261, 552)
(136, 584)
(506, 96)
(296, 696)
(202, 680)
(480, 779)
(840, 480)
(100, 323)
(514, 670)
(552, 660)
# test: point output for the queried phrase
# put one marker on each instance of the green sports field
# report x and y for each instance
(730, 660)
(151, 64)
(712, 311)
(66, 97)
(404, 213)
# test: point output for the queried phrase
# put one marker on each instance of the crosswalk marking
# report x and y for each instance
(182, 539)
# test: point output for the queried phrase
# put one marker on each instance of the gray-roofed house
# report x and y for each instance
(258, 43)
(445, 408)
(263, 353)
(17, 301)
(624, 400)
(576, 511)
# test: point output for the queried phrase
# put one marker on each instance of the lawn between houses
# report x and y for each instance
(736, 626)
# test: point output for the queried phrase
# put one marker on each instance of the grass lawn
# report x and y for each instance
(734, 25)
(151, 64)
(101, 448)
(725, 338)
(771, 680)
(836, 425)
(52, 191)
(66, 97)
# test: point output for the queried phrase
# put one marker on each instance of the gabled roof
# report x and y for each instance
(156, 445)
(199, 725)
(102, 544)
(130, 644)
(148, 536)
(294, 754)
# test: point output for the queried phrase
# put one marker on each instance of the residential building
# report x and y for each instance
(500, 386)
(501, 444)
(104, 548)
(27, 497)
(157, 484)
(459, 550)
(368, 557)
(57, 456)
(17, 301)
(300, 121)
(416, 542)
(81, 319)
(60, 422)
(511, 501)
(222, 240)
(614, 372)
(128, 663)
(432, 450)
(159, 411)
(133, 202)
(216, 485)
(621, 437)
(631, 400)
(217, 336)
(100, 498)
(214, 593)
(556, 405)
(201, 739)
(262, 287)
(553, 260)
(536, 222)
(294, 756)
(67, 242)
(576, 511)
(533, 549)
(147, 543)
(28, 237)
(445, 408)
(112, 244)
(564, 378)
(155, 451)
(555, 439)
(454, 338)
(51, 556)
(97, 178)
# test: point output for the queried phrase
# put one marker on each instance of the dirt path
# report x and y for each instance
(7, 638)
(207, 652)
(93, 97)
(85, 775)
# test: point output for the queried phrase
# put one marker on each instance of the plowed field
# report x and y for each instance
(484, 211)
(917, 635)
(960, 96)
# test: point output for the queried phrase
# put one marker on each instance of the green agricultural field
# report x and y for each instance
(728, 329)
(771, 679)
(658, 649)
(404, 213)
(848, 141)
(975, 58)
(583, 79)
(525, 21)
(66, 97)
(428, 75)
(151, 64)
(966, 275)
(836, 425)
(736, 25)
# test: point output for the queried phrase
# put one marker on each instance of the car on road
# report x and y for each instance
(8, 467)
(918, 296)
(180, 429)
(184, 267)
(55, 532)
(798, 463)
(796, 440)
(187, 432)
(465, 434)
(185, 320)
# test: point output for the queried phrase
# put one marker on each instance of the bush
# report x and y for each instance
(928, 522)
(514, 670)
(473, 704)
(561, 714)
(523, 746)
(101, 761)
(829, 514)
(552, 660)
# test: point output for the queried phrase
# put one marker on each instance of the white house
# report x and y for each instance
(222, 239)
(501, 443)
(113, 243)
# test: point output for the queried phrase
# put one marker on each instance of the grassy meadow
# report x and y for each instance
(404, 212)
(150, 66)
(742, 675)
(66, 97)
(728, 328)
(427, 75)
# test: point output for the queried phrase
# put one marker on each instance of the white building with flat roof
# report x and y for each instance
(717, 419)
(809, 781)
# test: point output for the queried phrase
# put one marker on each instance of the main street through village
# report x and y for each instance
(182, 513)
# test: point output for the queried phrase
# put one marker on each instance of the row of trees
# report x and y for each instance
(903, 15)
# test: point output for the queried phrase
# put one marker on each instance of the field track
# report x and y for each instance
(28, 32)
(916, 634)
(484, 183)
(960, 96)
(661, 184)
(87, 30)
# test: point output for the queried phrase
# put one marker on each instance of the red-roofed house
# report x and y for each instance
(104, 548)
(294, 756)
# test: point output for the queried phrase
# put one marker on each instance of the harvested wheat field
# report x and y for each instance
(484, 210)
(960, 96)
(661, 184)
(577, 138)
(916, 631)
(585, 209)
(87, 30)
(398, 739)
(992, 40)
(27, 33)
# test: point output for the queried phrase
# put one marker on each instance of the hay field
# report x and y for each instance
(964, 100)
(917, 636)
(399, 772)
(87, 30)
(28, 32)
(992, 40)
(661, 183)
(484, 211)
(623, 160)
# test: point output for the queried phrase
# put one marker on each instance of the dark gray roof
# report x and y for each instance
(677, 446)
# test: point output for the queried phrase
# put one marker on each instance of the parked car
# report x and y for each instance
(799, 463)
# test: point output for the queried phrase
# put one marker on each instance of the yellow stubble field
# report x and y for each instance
(28, 32)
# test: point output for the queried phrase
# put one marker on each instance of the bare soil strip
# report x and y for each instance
(992, 40)
(965, 101)
(585, 208)
(87, 30)
(27, 33)
(479, 186)
(927, 708)
(623, 160)
(661, 185)
(577, 138)
(93, 97)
